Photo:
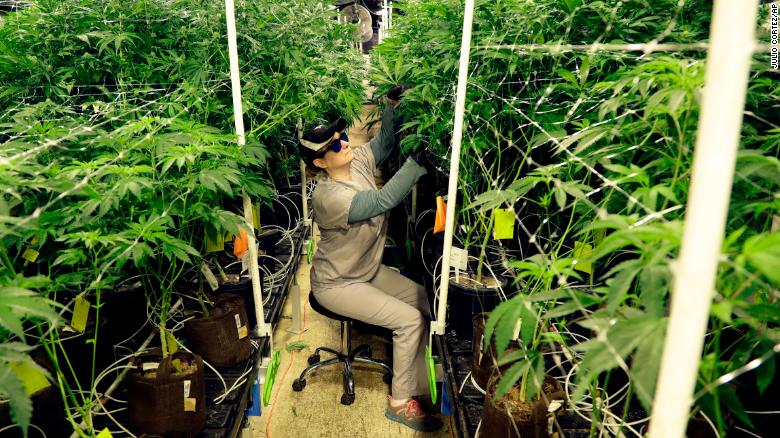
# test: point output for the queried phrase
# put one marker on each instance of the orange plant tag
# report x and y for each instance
(240, 244)
(441, 215)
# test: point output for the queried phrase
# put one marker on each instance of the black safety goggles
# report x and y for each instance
(335, 145)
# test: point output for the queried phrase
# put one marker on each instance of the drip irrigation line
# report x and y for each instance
(13, 426)
(742, 429)
(728, 377)
(115, 384)
(712, 425)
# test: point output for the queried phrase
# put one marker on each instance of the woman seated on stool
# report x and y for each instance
(347, 274)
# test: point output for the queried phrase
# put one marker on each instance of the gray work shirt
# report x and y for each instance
(347, 253)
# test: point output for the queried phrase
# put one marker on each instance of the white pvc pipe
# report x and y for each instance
(262, 328)
(437, 327)
(304, 195)
(728, 64)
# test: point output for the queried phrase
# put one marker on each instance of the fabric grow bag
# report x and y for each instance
(530, 419)
(484, 360)
(164, 402)
(222, 338)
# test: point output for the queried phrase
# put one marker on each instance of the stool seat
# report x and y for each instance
(324, 311)
(345, 357)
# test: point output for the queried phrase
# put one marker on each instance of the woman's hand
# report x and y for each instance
(396, 93)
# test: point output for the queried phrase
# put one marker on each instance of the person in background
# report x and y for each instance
(347, 275)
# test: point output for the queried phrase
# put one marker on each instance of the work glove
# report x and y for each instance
(397, 92)
(424, 158)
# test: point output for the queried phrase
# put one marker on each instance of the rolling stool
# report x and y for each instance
(345, 359)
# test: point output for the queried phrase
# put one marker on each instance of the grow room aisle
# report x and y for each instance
(316, 411)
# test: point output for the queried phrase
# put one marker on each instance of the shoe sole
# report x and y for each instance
(412, 426)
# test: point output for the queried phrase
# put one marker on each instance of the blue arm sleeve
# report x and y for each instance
(382, 144)
(370, 203)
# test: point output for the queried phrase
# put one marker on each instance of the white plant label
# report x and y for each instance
(187, 388)
(210, 278)
(459, 258)
(148, 366)
(238, 320)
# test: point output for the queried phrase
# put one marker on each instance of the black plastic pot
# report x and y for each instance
(241, 287)
(222, 338)
(465, 301)
(78, 349)
(164, 402)
(126, 303)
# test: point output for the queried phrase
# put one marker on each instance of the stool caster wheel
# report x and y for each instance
(314, 358)
(298, 385)
(387, 378)
(347, 399)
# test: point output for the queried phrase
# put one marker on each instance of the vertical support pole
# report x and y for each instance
(732, 39)
(389, 18)
(263, 328)
(437, 326)
(304, 196)
(295, 289)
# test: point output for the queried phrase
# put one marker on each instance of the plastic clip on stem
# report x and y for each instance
(732, 40)
(263, 329)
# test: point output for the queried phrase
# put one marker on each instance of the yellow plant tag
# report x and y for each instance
(80, 314)
(243, 332)
(32, 378)
(582, 252)
(105, 433)
(503, 223)
(190, 404)
(30, 255)
(214, 243)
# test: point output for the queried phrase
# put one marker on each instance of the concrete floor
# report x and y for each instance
(316, 411)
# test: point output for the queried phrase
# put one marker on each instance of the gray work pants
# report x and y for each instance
(395, 302)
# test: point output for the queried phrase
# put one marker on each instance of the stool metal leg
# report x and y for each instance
(300, 383)
(318, 365)
(362, 353)
(349, 384)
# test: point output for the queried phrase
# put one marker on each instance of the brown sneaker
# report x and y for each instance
(412, 415)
